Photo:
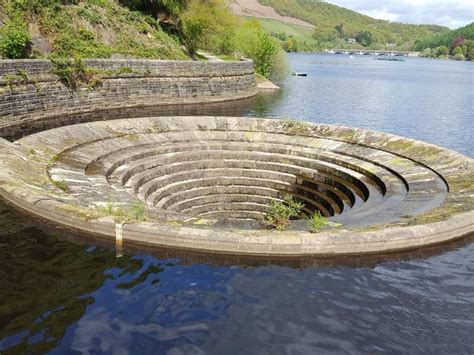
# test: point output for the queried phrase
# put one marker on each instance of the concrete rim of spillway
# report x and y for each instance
(206, 183)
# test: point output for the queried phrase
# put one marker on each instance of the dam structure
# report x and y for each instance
(205, 183)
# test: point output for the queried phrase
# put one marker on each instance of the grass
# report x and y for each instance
(316, 222)
(300, 33)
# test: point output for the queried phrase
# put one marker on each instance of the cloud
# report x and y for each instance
(451, 13)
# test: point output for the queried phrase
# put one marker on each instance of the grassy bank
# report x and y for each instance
(91, 28)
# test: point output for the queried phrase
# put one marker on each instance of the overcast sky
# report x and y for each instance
(451, 13)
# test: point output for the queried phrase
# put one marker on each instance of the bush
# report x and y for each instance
(442, 51)
(257, 45)
(459, 56)
(73, 73)
(316, 222)
(470, 54)
(15, 41)
(280, 213)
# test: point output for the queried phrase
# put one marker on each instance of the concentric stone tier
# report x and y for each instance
(206, 183)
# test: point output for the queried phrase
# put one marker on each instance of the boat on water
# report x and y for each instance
(392, 59)
(300, 74)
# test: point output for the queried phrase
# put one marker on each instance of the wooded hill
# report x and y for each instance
(334, 25)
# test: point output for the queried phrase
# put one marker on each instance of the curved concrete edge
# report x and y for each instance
(454, 224)
(254, 243)
(265, 84)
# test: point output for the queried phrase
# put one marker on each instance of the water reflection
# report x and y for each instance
(46, 285)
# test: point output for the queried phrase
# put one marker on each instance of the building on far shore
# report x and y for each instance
(351, 41)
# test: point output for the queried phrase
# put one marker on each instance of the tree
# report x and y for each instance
(340, 29)
(208, 24)
(364, 38)
(458, 41)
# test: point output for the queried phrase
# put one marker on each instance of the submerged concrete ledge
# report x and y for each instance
(207, 181)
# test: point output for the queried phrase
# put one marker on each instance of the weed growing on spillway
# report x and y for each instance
(137, 212)
(60, 184)
(280, 213)
(316, 222)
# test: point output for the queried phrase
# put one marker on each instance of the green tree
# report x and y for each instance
(340, 29)
(208, 24)
(364, 38)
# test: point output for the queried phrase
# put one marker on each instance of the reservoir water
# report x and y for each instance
(61, 297)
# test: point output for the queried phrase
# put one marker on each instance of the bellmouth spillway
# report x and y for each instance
(207, 181)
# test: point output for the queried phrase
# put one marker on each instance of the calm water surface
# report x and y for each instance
(64, 298)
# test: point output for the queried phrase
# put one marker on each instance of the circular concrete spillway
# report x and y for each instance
(206, 183)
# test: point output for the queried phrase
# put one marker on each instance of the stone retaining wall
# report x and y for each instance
(31, 96)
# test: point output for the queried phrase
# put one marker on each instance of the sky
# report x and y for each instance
(450, 13)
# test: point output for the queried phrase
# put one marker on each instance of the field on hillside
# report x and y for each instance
(298, 32)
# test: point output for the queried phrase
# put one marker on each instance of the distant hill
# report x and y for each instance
(335, 26)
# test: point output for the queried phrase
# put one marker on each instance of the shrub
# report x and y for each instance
(71, 72)
(470, 54)
(15, 41)
(459, 56)
(316, 222)
(280, 213)
(442, 51)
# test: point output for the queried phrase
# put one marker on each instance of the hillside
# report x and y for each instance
(92, 28)
(334, 25)
(446, 39)
(456, 44)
